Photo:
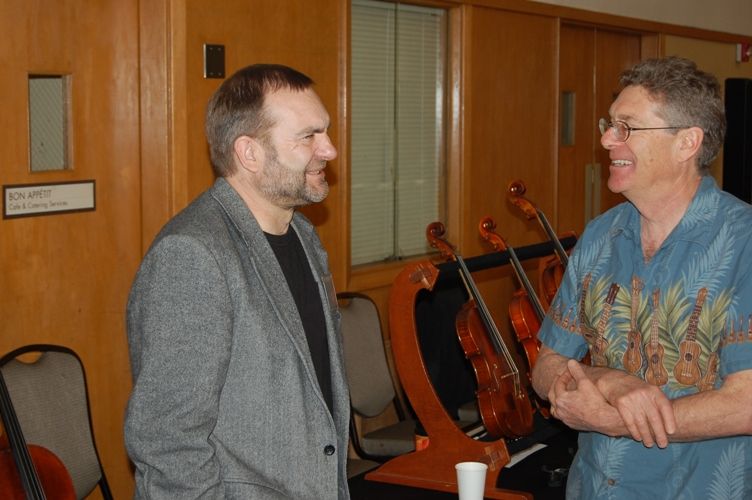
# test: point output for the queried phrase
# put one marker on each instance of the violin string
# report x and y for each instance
(486, 316)
(563, 257)
(520, 272)
(517, 191)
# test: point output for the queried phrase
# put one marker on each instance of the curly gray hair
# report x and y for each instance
(689, 96)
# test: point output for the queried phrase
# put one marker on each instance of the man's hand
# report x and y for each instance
(646, 411)
(576, 401)
(620, 405)
(604, 400)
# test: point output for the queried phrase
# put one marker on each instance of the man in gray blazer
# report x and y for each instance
(239, 388)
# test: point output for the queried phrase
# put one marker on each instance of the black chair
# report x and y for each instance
(372, 390)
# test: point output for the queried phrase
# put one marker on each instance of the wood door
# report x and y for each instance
(590, 62)
(577, 125)
(614, 52)
(65, 277)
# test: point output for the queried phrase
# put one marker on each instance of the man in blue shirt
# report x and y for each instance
(659, 292)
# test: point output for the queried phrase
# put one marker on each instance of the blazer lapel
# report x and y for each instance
(317, 258)
(264, 263)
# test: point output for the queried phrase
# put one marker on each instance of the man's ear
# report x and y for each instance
(247, 151)
(690, 142)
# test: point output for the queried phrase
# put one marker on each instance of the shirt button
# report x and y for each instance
(611, 482)
(328, 450)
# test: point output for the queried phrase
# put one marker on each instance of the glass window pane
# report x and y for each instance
(397, 75)
(372, 136)
(48, 148)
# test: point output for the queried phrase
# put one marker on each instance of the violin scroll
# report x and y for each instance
(435, 235)
(553, 271)
(487, 229)
(517, 191)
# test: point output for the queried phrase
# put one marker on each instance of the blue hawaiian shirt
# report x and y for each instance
(682, 321)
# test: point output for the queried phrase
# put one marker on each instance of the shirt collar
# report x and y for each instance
(700, 215)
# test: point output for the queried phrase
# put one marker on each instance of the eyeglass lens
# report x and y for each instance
(621, 131)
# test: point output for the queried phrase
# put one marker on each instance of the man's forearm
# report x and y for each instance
(716, 413)
(548, 366)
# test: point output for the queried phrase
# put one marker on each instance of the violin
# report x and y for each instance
(503, 403)
(28, 472)
(525, 309)
(553, 268)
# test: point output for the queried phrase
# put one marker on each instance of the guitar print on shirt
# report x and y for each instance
(633, 355)
(656, 373)
(687, 370)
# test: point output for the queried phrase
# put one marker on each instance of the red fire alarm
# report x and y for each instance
(743, 52)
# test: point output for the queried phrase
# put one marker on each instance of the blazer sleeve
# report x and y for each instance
(179, 323)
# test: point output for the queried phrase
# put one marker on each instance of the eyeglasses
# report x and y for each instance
(622, 131)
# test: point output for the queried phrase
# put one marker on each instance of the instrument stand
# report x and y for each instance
(433, 467)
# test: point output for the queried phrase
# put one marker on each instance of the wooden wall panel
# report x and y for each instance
(138, 105)
(157, 196)
(614, 52)
(576, 54)
(510, 133)
(266, 31)
(510, 121)
(590, 62)
(65, 278)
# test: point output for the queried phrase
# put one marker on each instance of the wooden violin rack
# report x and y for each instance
(433, 466)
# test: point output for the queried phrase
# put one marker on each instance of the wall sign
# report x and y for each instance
(26, 200)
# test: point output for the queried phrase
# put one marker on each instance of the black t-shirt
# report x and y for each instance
(294, 263)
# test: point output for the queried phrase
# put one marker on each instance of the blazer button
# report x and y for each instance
(329, 450)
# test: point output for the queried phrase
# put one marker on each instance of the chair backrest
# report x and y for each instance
(369, 378)
(50, 398)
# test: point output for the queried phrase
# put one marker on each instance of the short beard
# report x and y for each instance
(282, 188)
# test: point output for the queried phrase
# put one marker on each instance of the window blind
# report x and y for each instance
(397, 75)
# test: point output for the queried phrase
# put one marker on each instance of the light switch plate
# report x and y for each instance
(214, 61)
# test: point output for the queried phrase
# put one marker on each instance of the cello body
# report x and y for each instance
(432, 467)
(525, 309)
(504, 405)
(525, 324)
(28, 472)
(549, 279)
(53, 476)
(507, 411)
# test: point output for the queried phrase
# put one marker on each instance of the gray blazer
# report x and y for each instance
(225, 401)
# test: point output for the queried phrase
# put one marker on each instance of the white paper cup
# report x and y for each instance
(471, 480)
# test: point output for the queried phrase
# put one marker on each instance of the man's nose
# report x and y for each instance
(326, 149)
(607, 139)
